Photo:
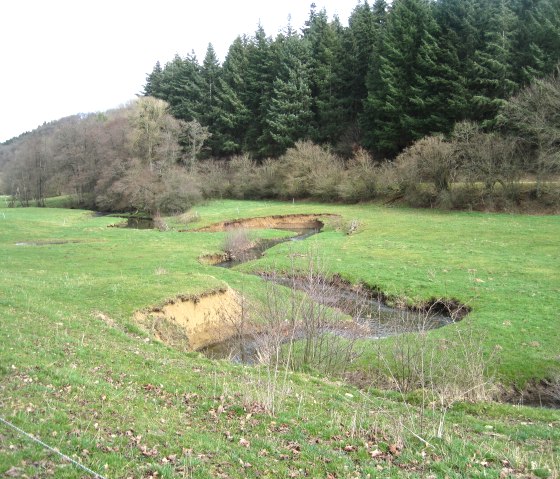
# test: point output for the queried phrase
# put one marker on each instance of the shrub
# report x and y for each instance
(308, 170)
(243, 178)
(533, 116)
(430, 159)
(237, 241)
(487, 158)
(268, 178)
(358, 183)
(213, 178)
(179, 192)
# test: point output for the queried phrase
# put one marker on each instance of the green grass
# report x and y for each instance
(126, 405)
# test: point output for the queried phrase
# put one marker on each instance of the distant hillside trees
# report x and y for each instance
(126, 159)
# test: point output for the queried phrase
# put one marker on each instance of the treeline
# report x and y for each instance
(132, 159)
(369, 111)
(394, 75)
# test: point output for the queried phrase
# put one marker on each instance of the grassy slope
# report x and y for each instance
(92, 388)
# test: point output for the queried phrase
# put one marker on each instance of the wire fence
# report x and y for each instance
(51, 449)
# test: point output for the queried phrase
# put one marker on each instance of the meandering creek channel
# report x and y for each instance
(372, 318)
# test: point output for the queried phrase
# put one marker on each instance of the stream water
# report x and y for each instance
(133, 222)
(140, 223)
(372, 319)
(258, 250)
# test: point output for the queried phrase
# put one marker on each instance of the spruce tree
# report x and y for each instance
(548, 36)
(458, 41)
(289, 112)
(536, 40)
(182, 86)
(323, 39)
(153, 81)
(491, 80)
(354, 60)
(232, 112)
(371, 114)
(401, 107)
(259, 75)
(210, 75)
(528, 57)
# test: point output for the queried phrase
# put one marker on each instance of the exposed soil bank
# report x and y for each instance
(536, 393)
(287, 222)
(192, 322)
(352, 297)
(371, 318)
(253, 249)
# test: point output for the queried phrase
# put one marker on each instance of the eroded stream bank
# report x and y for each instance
(193, 322)
(281, 222)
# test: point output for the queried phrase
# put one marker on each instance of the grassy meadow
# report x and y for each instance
(77, 372)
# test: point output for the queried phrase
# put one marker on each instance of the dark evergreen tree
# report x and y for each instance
(369, 114)
(491, 78)
(401, 107)
(528, 58)
(353, 60)
(210, 74)
(458, 41)
(153, 81)
(210, 107)
(260, 74)
(536, 40)
(547, 37)
(182, 87)
(289, 112)
(323, 39)
(232, 113)
(397, 72)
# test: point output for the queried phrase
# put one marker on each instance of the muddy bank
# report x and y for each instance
(196, 323)
(364, 317)
(248, 252)
(354, 299)
(284, 222)
(543, 393)
(193, 322)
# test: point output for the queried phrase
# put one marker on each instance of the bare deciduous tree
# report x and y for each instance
(195, 135)
(534, 114)
(155, 133)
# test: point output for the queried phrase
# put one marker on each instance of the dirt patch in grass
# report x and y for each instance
(192, 322)
(299, 221)
(213, 259)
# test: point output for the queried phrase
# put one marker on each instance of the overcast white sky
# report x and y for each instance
(61, 57)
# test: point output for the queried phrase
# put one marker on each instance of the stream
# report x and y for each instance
(258, 250)
(372, 318)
